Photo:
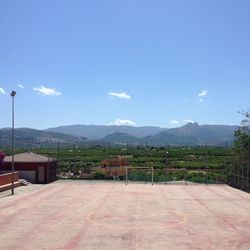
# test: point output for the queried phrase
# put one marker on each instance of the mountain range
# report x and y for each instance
(189, 134)
(96, 132)
(86, 135)
(27, 137)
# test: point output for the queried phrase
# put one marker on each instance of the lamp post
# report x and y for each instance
(13, 93)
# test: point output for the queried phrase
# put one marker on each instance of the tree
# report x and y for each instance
(242, 138)
(241, 169)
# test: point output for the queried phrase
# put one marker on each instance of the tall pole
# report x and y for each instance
(207, 171)
(185, 165)
(13, 93)
(109, 161)
(166, 167)
(126, 175)
(58, 152)
(152, 179)
(75, 157)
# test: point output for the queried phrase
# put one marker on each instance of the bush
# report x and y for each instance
(99, 175)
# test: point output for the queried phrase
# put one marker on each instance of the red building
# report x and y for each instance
(115, 166)
(33, 167)
(6, 179)
(2, 155)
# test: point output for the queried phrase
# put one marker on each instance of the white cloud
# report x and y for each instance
(47, 91)
(174, 122)
(202, 94)
(20, 86)
(2, 91)
(122, 95)
(188, 120)
(121, 122)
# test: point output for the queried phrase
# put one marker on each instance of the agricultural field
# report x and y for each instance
(195, 164)
(198, 164)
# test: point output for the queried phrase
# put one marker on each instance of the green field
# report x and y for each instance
(196, 164)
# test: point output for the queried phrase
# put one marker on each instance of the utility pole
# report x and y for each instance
(206, 164)
(13, 93)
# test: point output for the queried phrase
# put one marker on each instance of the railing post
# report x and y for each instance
(152, 175)
(126, 175)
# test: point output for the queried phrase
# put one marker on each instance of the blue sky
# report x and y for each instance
(160, 63)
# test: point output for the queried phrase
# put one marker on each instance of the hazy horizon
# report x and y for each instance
(120, 126)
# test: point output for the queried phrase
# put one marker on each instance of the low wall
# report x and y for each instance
(6, 179)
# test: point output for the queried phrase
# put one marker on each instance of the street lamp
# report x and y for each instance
(13, 93)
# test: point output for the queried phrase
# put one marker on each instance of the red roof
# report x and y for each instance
(29, 157)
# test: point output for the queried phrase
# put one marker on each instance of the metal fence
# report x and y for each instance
(238, 176)
(185, 168)
(175, 176)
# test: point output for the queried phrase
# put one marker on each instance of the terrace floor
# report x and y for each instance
(111, 215)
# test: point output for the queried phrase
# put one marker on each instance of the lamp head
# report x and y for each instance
(13, 93)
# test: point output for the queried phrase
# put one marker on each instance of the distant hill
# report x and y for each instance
(189, 134)
(95, 132)
(165, 138)
(26, 137)
(210, 134)
(121, 138)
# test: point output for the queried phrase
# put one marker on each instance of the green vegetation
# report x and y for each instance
(239, 170)
(195, 164)
(242, 138)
